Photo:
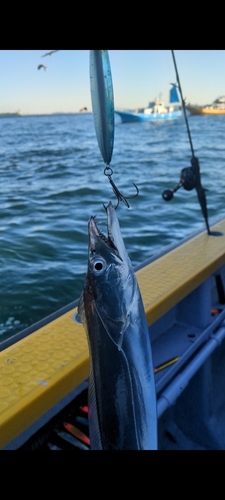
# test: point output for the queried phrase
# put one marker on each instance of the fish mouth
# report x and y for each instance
(112, 240)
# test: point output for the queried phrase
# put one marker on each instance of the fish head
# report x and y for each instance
(110, 283)
(108, 261)
(110, 247)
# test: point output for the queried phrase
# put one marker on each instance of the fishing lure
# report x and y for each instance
(102, 102)
(103, 112)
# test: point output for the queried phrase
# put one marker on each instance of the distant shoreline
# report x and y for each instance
(16, 113)
(8, 115)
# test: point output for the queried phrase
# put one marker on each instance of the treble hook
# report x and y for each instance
(108, 171)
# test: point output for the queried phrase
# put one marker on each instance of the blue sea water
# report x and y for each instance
(52, 181)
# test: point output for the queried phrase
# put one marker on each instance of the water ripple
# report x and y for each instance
(52, 181)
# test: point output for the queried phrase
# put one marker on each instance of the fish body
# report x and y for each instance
(102, 102)
(121, 393)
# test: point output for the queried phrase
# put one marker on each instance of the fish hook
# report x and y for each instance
(108, 171)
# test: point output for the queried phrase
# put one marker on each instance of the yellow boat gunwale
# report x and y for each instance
(42, 368)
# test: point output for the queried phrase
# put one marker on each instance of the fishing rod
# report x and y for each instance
(182, 102)
(190, 176)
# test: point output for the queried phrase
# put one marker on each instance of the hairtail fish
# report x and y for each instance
(121, 393)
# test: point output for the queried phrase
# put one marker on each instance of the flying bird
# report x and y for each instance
(50, 53)
(42, 66)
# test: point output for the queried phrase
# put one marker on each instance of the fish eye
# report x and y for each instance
(99, 265)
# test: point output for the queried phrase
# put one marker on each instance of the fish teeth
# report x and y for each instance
(106, 238)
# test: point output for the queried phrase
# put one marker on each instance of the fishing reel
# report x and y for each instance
(187, 181)
(190, 179)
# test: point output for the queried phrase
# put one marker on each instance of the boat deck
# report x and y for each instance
(47, 366)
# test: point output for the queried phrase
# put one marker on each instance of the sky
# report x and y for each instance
(139, 76)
